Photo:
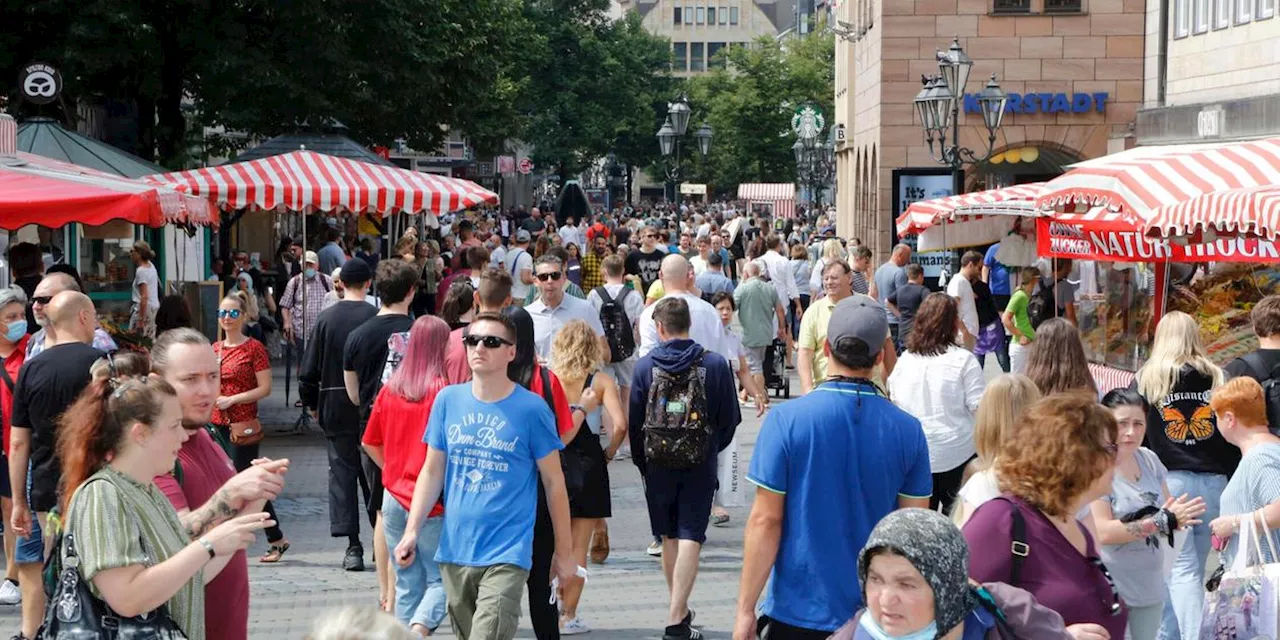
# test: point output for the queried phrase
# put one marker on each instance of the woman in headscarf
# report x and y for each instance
(915, 583)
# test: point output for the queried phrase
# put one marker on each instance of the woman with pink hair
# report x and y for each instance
(393, 440)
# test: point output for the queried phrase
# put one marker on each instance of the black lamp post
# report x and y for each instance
(815, 160)
(938, 105)
(670, 137)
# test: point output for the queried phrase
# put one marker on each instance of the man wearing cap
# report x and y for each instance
(827, 467)
(307, 288)
(519, 265)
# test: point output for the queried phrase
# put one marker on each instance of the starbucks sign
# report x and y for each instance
(807, 121)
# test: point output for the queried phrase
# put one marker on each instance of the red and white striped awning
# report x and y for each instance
(1244, 212)
(306, 181)
(781, 194)
(175, 205)
(925, 213)
(1140, 180)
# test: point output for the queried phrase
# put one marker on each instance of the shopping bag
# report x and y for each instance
(1245, 605)
(728, 473)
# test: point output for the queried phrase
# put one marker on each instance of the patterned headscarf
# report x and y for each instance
(937, 550)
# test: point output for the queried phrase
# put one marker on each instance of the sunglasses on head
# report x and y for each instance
(489, 342)
(41, 299)
(229, 313)
(553, 275)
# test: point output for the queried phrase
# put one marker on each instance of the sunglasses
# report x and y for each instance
(489, 342)
(229, 313)
(41, 299)
(545, 277)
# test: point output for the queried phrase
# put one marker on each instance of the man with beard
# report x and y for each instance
(321, 387)
(204, 487)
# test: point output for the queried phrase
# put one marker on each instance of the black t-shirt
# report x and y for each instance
(985, 303)
(28, 285)
(1239, 367)
(908, 298)
(366, 354)
(646, 265)
(46, 386)
(533, 225)
(1182, 430)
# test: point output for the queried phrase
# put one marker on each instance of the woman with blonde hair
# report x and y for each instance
(832, 251)
(1003, 405)
(1177, 382)
(576, 359)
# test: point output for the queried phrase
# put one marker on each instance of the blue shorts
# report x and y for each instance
(680, 501)
(31, 549)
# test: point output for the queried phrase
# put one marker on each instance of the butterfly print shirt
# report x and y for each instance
(1182, 431)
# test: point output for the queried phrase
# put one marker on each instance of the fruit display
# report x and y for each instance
(1221, 301)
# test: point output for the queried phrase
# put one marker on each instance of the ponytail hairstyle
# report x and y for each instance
(90, 431)
(248, 308)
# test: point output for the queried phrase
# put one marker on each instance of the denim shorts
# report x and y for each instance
(31, 549)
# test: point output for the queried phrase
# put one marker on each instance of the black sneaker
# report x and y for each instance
(354, 559)
(681, 631)
(688, 618)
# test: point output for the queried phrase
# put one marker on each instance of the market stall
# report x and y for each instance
(775, 199)
(968, 219)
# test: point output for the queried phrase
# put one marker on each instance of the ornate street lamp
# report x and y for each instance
(703, 138)
(938, 106)
(678, 112)
(672, 134)
(667, 138)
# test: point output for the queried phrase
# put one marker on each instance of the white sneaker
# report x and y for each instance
(10, 593)
(574, 627)
(655, 549)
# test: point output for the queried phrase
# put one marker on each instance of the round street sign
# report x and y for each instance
(40, 83)
(807, 121)
(525, 166)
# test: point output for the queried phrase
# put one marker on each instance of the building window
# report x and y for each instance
(1062, 6)
(1181, 18)
(1244, 11)
(1200, 18)
(675, 16)
(688, 14)
(713, 60)
(696, 61)
(1011, 6)
(1221, 14)
(681, 57)
(733, 15)
(724, 15)
(1266, 9)
(702, 15)
(711, 15)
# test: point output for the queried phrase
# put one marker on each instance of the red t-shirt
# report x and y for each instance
(12, 365)
(205, 468)
(455, 358)
(398, 425)
(239, 366)
(564, 417)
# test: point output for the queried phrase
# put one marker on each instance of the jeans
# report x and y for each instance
(1186, 589)
(420, 595)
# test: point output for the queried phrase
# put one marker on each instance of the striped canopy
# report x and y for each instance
(306, 181)
(1140, 180)
(781, 194)
(1253, 212)
(925, 213)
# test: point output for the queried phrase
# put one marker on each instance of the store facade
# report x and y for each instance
(1073, 72)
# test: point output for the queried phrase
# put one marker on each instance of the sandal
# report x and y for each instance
(274, 552)
(719, 520)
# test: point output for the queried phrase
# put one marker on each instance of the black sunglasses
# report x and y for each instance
(554, 275)
(41, 299)
(489, 342)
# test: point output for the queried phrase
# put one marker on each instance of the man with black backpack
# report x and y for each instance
(683, 412)
(1263, 364)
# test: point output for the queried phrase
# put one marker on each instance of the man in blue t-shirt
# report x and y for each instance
(490, 442)
(827, 467)
(996, 275)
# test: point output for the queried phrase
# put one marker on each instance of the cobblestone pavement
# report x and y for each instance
(624, 598)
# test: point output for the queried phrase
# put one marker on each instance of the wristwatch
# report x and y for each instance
(207, 547)
(577, 407)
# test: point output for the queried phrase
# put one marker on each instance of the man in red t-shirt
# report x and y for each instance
(210, 491)
(492, 296)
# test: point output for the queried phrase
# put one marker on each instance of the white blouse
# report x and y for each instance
(943, 393)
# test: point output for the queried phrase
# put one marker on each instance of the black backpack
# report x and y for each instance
(1270, 381)
(1042, 305)
(677, 431)
(617, 326)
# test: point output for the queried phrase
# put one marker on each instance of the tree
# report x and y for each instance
(643, 90)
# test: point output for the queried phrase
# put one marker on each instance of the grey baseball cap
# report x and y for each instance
(859, 317)
(522, 235)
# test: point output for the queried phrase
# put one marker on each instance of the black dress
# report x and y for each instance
(592, 499)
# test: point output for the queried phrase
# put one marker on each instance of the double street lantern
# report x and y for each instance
(815, 156)
(938, 106)
(671, 135)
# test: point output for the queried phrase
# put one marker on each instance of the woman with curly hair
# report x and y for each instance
(940, 383)
(1056, 360)
(576, 358)
(1060, 458)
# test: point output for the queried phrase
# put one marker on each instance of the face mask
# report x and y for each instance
(868, 624)
(17, 329)
(309, 273)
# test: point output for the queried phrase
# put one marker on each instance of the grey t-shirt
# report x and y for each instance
(1138, 567)
(1255, 484)
(888, 278)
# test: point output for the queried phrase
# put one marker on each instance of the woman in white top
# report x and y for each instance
(146, 290)
(941, 384)
(832, 252)
(1005, 400)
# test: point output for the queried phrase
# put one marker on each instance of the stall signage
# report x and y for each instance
(1030, 103)
(40, 83)
(1061, 240)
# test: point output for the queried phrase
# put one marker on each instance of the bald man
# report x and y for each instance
(50, 286)
(47, 384)
(706, 330)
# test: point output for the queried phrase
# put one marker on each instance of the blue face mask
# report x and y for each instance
(17, 329)
(872, 628)
(309, 273)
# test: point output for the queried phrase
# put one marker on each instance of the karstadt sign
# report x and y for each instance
(1032, 103)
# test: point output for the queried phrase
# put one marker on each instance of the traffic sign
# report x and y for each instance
(526, 166)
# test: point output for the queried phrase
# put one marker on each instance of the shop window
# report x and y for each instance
(702, 16)
(1063, 6)
(711, 15)
(1221, 14)
(1011, 6)
(1114, 324)
(1244, 11)
(733, 15)
(1181, 18)
(681, 56)
(696, 61)
(1266, 9)
(1200, 18)
(675, 16)
(107, 267)
(715, 61)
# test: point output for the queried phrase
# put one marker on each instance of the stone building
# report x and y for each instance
(699, 29)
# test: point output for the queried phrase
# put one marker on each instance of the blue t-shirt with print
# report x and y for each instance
(999, 278)
(490, 487)
(842, 455)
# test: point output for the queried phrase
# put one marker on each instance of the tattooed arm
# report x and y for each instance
(247, 492)
(1112, 531)
(218, 509)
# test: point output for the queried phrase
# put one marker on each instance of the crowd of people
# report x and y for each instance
(476, 385)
